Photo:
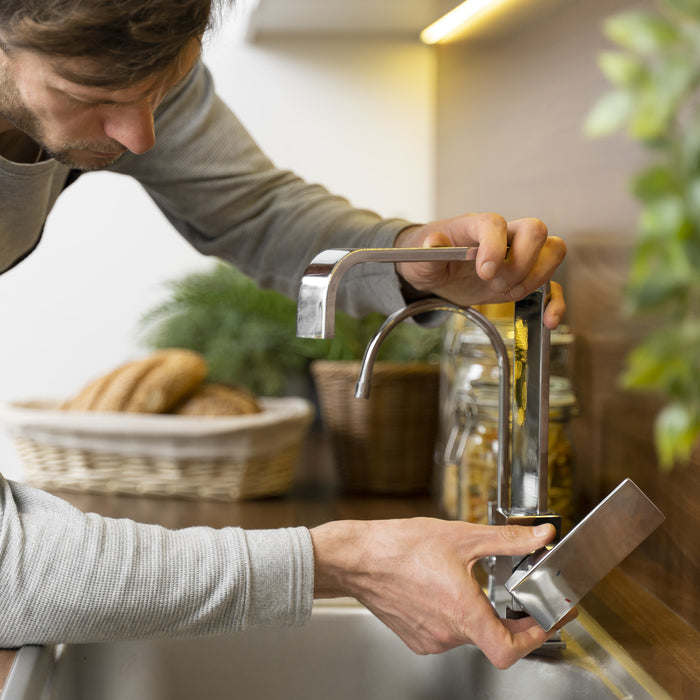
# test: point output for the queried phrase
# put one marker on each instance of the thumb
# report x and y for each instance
(436, 239)
(515, 539)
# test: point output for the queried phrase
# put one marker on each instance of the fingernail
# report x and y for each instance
(542, 530)
(517, 292)
(488, 269)
(498, 284)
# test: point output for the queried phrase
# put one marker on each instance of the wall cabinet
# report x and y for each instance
(388, 18)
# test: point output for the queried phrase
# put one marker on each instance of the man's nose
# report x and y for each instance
(132, 126)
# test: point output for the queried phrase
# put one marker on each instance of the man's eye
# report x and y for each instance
(76, 101)
(80, 102)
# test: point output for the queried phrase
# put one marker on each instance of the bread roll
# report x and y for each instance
(176, 375)
(112, 391)
(153, 384)
(218, 400)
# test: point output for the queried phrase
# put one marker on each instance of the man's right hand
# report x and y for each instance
(416, 575)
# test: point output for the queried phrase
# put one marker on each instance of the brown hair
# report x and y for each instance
(127, 40)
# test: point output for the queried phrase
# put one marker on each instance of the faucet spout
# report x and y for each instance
(362, 387)
(319, 285)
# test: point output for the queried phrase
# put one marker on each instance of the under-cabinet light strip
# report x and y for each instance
(455, 19)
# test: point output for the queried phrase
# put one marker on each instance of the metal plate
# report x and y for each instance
(551, 582)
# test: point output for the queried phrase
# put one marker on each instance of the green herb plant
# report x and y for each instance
(654, 72)
(248, 334)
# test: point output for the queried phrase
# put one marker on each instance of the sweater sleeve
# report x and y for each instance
(227, 199)
(67, 576)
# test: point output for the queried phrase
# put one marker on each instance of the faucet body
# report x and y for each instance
(522, 478)
(527, 501)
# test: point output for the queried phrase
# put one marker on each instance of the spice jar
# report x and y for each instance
(471, 459)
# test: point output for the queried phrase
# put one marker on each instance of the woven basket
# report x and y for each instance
(384, 444)
(225, 458)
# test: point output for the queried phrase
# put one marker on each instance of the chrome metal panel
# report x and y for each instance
(528, 488)
(551, 582)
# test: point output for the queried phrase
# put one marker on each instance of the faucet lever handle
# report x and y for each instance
(319, 285)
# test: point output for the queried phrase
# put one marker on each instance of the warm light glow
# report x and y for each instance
(454, 20)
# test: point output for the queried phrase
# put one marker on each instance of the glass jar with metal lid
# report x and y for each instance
(470, 464)
(469, 356)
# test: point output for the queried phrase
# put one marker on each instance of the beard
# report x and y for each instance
(22, 118)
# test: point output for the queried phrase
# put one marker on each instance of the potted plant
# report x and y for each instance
(655, 74)
(248, 336)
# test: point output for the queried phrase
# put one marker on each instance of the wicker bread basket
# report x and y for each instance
(226, 458)
(384, 444)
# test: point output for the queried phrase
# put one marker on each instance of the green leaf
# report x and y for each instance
(667, 361)
(660, 272)
(652, 371)
(640, 31)
(653, 110)
(693, 200)
(622, 69)
(689, 144)
(662, 218)
(611, 113)
(655, 182)
(676, 431)
(688, 7)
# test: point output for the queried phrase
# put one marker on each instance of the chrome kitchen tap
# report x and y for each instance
(522, 485)
(522, 475)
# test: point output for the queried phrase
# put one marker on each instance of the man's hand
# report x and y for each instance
(417, 577)
(514, 259)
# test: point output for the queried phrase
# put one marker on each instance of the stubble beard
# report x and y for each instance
(22, 118)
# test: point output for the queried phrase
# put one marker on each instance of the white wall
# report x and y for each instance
(357, 116)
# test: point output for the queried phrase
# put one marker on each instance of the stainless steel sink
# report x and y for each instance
(343, 653)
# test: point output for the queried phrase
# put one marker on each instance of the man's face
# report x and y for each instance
(83, 127)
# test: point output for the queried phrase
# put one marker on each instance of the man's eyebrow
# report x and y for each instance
(75, 90)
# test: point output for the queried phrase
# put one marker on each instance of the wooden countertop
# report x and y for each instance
(663, 644)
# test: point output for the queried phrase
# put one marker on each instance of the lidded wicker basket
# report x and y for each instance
(225, 458)
(384, 444)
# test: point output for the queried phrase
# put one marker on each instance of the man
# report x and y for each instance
(118, 85)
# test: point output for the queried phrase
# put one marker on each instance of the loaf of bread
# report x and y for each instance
(212, 399)
(153, 384)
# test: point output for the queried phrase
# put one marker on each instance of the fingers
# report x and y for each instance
(532, 258)
(510, 539)
(515, 638)
(504, 641)
(512, 260)
(491, 232)
(436, 239)
(554, 312)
